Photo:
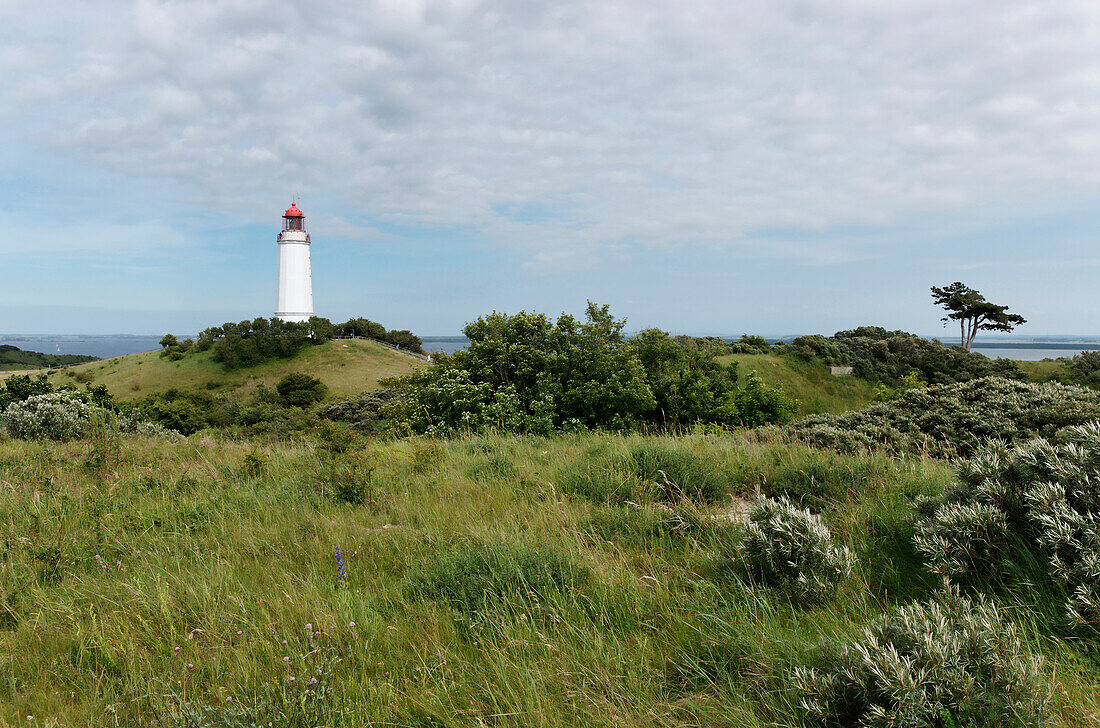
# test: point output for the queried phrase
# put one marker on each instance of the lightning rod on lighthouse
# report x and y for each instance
(294, 301)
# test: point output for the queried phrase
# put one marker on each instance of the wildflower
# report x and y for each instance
(317, 634)
(313, 681)
(309, 626)
(240, 631)
(292, 678)
(190, 666)
(341, 573)
(229, 698)
(351, 624)
(176, 649)
(284, 642)
(286, 659)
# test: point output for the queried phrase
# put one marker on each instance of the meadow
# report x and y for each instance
(482, 580)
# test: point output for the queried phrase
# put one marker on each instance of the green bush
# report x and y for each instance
(472, 579)
(949, 661)
(529, 374)
(362, 412)
(792, 551)
(1041, 497)
(884, 356)
(187, 412)
(756, 404)
(300, 390)
(953, 420)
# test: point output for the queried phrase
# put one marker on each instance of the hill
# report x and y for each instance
(345, 366)
(12, 358)
(810, 382)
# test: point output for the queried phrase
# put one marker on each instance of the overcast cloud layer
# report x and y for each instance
(566, 135)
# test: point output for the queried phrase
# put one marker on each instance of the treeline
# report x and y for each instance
(528, 373)
(245, 344)
(12, 357)
(878, 355)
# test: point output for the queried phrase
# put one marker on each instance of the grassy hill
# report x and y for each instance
(346, 366)
(810, 382)
(12, 358)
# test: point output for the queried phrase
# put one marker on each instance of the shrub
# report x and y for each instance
(1041, 497)
(362, 412)
(955, 420)
(187, 412)
(18, 388)
(792, 551)
(884, 356)
(57, 416)
(300, 390)
(65, 415)
(755, 404)
(473, 578)
(529, 374)
(949, 661)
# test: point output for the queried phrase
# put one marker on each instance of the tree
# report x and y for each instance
(973, 312)
(169, 340)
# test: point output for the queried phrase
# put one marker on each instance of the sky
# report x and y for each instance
(762, 166)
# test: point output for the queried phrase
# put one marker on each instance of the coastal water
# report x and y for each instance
(104, 347)
(1029, 354)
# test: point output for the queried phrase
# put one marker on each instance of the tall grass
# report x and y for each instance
(143, 582)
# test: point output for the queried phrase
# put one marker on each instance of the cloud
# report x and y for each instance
(627, 125)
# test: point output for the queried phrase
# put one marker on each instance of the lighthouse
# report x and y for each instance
(294, 301)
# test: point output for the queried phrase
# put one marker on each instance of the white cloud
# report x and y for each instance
(625, 123)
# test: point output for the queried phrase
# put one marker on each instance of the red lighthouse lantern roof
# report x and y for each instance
(293, 211)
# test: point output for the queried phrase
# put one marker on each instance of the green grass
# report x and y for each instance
(478, 592)
(1042, 371)
(346, 367)
(808, 381)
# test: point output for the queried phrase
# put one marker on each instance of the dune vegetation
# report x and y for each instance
(561, 526)
(477, 580)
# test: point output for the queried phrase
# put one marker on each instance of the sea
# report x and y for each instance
(107, 346)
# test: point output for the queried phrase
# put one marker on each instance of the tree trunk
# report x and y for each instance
(962, 333)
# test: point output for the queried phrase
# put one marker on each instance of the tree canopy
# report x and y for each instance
(973, 312)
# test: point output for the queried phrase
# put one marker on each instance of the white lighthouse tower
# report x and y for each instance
(295, 285)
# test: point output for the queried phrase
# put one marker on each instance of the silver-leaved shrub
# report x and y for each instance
(791, 550)
(1041, 496)
(948, 661)
(65, 416)
(55, 416)
(953, 420)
